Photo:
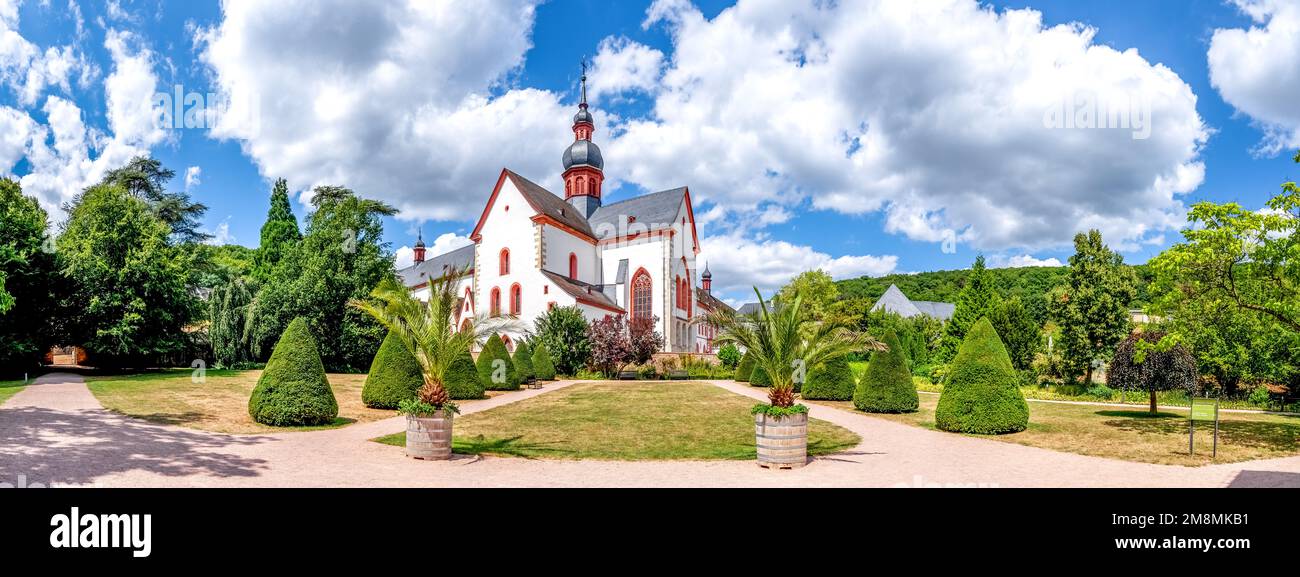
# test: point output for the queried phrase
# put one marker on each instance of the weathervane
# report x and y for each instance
(583, 62)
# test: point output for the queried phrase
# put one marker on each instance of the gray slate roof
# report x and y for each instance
(583, 292)
(547, 203)
(657, 208)
(896, 302)
(749, 308)
(460, 259)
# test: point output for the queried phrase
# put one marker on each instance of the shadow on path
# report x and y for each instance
(1269, 479)
(79, 446)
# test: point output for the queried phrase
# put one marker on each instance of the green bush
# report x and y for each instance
(461, 380)
(729, 355)
(980, 394)
(293, 390)
(494, 351)
(830, 381)
(886, 386)
(523, 360)
(543, 368)
(745, 370)
(759, 378)
(394, 376)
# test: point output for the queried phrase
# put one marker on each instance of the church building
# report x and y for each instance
(533, 250)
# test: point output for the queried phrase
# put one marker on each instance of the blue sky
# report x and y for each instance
(804, 139)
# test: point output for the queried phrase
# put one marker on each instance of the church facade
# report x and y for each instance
(533, 250)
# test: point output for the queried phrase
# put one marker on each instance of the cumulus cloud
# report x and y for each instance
(622, 65)
(1021, 260)
(1255, 70)
(411, 104)
(935, 113)
(193, 177)
(446, 242)
(739, 263)
(28, 70)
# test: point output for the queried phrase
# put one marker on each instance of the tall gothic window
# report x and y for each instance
(495, 301)
(641, 299)
(516, 300)
(573, 266)
(505, 261)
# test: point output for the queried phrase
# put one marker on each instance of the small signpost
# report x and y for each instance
(1203, 410)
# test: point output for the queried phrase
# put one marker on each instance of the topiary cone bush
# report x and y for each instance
(394, 376)
(980, 394)
(461, 379)
(759, 378)
(523, 360)
(492, 379)
(745, 370)
(886, 386)
(293, 390)
(543, 367)
(830, 381)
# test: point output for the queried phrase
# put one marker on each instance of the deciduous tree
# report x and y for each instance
(1092, 306)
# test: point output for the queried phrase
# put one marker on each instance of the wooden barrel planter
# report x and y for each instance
(429, 437)
(782, 441)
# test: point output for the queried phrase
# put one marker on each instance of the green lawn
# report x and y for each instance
(1134, 435)
(9, 389)
(626, 421)
(219, 404)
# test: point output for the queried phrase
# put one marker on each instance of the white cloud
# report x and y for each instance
(65, 155)
(411, 104)
(932, 112)
(1021, 260)
(27, 69)
(446, 242)
(193, 177)
(1255, 70)
(622, 65)
(739, 263)
(221, 235)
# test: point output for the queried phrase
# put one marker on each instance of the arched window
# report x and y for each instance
(641, 288)
(505, 340)
(505, 261)
(495, 301)
(678, 289)
(573, 266)
(465, 326)
(516, 300)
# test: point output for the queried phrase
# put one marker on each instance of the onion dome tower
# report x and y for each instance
(583, 165)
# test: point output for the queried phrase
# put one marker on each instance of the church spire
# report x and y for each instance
(419, 247)
(584, 167)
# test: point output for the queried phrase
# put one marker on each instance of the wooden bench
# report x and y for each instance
(627, 375)
(678, 375)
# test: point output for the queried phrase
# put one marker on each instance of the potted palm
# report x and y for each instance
(428, 330)
(785, 341)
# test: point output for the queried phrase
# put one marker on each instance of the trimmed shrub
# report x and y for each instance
(461, 380)
(830, 381)
(293, 390)
(523, 360)
(759, 378)
(980, 394)
(394, 376)
(543, 367)
(886, 386)
(494, 351)
(745, 370)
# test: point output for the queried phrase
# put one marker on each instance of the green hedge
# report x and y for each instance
(745, 370)
(493, 351)
(543, 366)
(886, 386)
(461, 380)
(830, 381)
(394, 376)
(981, 394)
(523, 360)
(293, 390)
(759, 377)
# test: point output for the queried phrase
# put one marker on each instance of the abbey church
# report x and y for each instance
(533, 250)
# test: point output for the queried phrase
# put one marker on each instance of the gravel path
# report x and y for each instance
(55, 432)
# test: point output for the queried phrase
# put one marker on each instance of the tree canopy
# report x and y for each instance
(1091, 307)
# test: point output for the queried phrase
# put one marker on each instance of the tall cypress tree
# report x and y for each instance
(976, 301)
(279, 233)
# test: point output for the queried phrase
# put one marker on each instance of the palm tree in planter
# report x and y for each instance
(784, 340)
(428, 330)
